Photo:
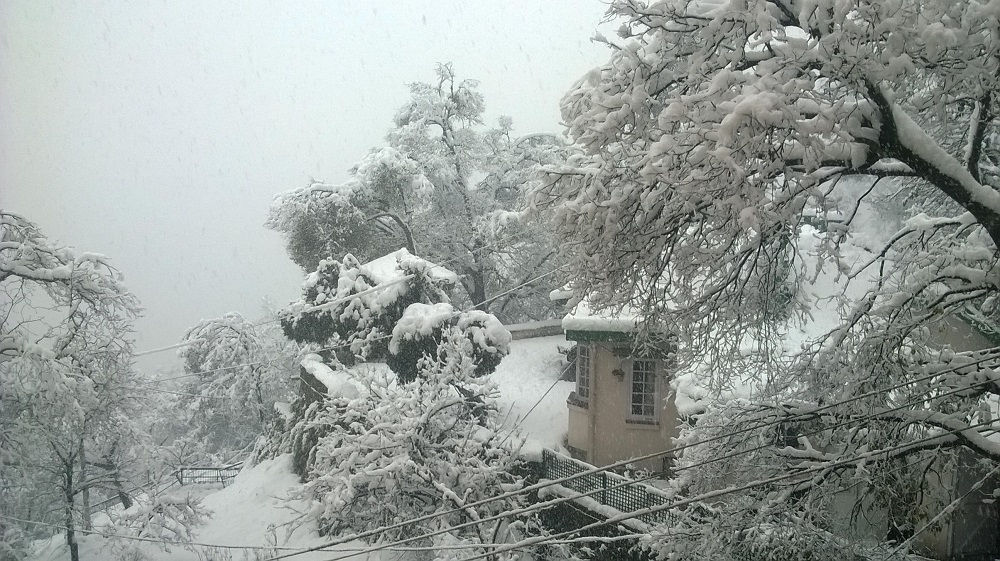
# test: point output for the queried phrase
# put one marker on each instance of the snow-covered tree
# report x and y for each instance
(238, 370)
(445, 188)
(718, 129)
(67, 385)
(395, 309)
(341, 305)
(392, 452)
(168, 519)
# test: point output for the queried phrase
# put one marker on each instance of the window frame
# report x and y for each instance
(653, 383)
(584, 353)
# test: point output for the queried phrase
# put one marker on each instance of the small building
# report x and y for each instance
(621, 407)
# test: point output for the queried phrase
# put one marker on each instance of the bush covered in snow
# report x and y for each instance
(398, 313)
(761, 520)
(168, 519)
(400, 451)
(338, 304)
(424, 328)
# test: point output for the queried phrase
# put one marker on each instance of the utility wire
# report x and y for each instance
(373, 339)
(354, 550)
(620, 464)
(812, 412)
(560, 500)
(521, 421)
(627, 516)
(531, 488)
(848, 422)
(709, 495)
(170, 347)
(944, 512)
(183, 543)
(381, 286)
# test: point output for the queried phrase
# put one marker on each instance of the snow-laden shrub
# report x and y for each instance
(423, 328)
(169, 519)
(405, 450)
(361, 320)
(405, 319)
(15, 543)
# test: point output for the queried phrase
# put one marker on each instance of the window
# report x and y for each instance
(583, 363)
(642, 390)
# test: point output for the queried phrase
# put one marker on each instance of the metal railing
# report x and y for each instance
(190, 475)
(609, 489)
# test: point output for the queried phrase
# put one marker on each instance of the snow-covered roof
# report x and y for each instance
(561, 294)
(583, 318)
(386, 268)
(337, 383)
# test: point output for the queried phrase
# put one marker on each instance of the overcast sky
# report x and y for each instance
(158, 132)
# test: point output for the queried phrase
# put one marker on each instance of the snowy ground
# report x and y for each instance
(530, 370)
(259, 500)
(255, 511)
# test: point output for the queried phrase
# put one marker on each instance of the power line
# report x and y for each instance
(521, 421)
(624, 516)
(137, 538)
(161, 349)
(812, 412)
(561, 500)
(848, 422)
(373, 339)
(930, 523)
(212, 371)
(595, 470)
(710, 495)
(798, 416)
(354, 550)
(381, 286)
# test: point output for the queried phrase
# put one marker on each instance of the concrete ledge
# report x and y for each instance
(532, 329)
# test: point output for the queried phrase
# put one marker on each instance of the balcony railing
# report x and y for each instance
(609, 489)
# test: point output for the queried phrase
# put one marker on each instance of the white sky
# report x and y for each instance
(157, 132)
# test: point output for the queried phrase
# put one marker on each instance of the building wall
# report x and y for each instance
(959, 335)
(578, 435)
(602, 429)
(939, 489)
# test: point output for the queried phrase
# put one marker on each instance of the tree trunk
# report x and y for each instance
(74, 550)
(85, 494)
(259, 395)
(112, 467)
(477, 287)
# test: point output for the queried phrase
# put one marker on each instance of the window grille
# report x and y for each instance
(642, 390)
(583, 364)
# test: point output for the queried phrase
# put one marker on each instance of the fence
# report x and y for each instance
(187, 475)
(609, 489)
(190, 475)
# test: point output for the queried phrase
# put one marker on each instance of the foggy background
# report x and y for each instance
(157, 133)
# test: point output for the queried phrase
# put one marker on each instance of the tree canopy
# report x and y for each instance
(444, 187)
(67, 382)
(394, 309)
(236, 371)
(718, 133)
